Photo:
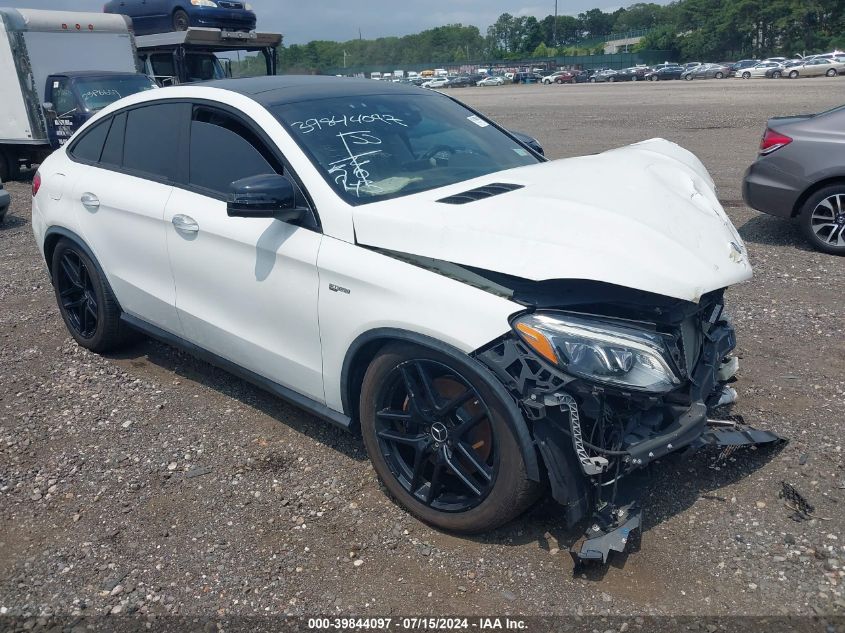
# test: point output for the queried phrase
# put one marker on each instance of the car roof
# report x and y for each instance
(281, 89)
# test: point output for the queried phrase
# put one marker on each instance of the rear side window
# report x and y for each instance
(89, 146)
(151, 140)
(224, 150)
(113, 148)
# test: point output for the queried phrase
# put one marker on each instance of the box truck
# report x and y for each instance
(56, 69)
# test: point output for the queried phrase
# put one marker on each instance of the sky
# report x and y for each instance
(302, 21)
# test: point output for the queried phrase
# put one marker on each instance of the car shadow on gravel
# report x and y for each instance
(11, 222)
(669, 487)
(774, 231)
(167, 362)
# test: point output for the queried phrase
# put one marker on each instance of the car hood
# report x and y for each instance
(643, 216)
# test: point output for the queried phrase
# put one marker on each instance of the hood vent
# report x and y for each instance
(487, 191)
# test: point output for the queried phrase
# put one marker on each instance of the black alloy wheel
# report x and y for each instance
(181, 22)
(86, 301)
(438, 434)
(77, 295)
(434, 432)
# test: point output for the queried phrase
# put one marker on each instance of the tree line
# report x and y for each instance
(715, 30)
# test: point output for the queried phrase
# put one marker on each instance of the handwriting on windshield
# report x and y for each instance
(309, 125)
(101, 92)
(350, 172)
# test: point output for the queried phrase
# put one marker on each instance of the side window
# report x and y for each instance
(162, 66)
(63, 100)
(113, 148)
(89, 145)
(224, 150)
(151, 140)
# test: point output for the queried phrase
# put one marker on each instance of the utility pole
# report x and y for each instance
(554, 31)
(344, 58)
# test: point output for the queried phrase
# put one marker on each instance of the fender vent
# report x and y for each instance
(487, 191)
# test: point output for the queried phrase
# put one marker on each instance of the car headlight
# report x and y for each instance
(248, 6)
(204, 3)
(613, 354)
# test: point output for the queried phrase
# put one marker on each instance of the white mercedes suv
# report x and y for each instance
(398, 264)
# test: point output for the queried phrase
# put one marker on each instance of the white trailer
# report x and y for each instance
(36, 45)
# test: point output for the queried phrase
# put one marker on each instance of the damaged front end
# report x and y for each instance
(611, 379)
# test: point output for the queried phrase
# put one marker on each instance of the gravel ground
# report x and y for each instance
(152, 482)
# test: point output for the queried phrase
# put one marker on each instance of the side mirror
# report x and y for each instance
(48, 107)
(265, 196)
(529, 141)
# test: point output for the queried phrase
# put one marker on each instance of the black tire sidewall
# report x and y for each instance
(179, 13)
(110, 334)
(804, 219)
(504, 502)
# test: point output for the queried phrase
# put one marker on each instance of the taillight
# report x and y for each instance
(36, 183)
(773, 141)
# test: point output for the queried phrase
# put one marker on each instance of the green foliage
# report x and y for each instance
(702, 30)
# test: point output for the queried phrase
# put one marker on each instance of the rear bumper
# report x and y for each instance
(228, 19)
(770, 189)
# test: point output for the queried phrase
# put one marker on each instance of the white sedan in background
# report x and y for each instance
(759, 71)
(438, 82)
(491, 81)
(818, 67)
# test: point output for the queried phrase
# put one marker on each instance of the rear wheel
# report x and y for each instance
(86, 302)
(181, 22)
(720, 75)
(437, 436)
(611, 79)
(823, 219)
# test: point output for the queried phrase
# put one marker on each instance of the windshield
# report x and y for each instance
(203, 66)
(384, 146)
(98, 92)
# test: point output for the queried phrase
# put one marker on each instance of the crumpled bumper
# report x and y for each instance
(592, 438)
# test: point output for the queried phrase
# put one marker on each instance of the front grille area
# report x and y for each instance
(230, 5)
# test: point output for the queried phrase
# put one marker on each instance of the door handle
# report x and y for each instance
(185, 223)
(90, 201)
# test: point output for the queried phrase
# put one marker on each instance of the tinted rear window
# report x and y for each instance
(152, 139)
(90, 143)
(113, 149)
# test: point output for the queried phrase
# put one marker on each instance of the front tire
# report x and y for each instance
(720, 75)
(831, 72)
(181, 21)
(688, 77)
(776, 74)
(822, 219)
(793, 74)
(746, 75)
(86, 302)
(438, 438)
